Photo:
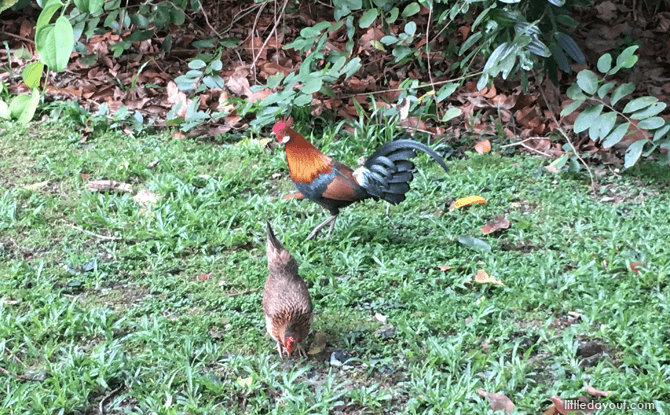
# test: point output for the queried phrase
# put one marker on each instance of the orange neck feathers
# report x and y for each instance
(305, 162)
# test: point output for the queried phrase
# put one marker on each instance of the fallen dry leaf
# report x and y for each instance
(205, 277)
(483, 278)
(36, 186)
(606, 10)
(466, 201)
(595, 392)
(319, 343)
(483, 146)
(635, 266)
(499, 222)
(569, 406)
(498, 400)
(445, 267)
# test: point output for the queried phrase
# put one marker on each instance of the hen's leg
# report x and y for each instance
(316, 230)
(279, 349)
(301, 351)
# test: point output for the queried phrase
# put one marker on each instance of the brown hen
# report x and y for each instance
(286, 302)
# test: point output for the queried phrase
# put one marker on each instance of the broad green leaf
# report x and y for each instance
(587, 117)
(23, 53)
(616, 135)
(483, 81)
(575, 92)
(471, 40)
(31, 106)
(312, 85)
(570, 47)
(630, 62)
(410, 28)
(651, 123)
(393, 15)
(587, 81)
(46, 14)
(4, 110)
(95, 5)
(496, 57)
(302, 100)
(378, 45)
(445, 91)
(352, 67)
(17, 104)
(622, 91)
(605, 63)
(474, 243)
(606, 122)
(505, 67)
(367, 18)
(639, 103)
(451, 113)
(274, 80)
(538, 48)
(61, 42)
(32, 74)
(605, 89)
(571, 107)
(661, 132)
(633, 153)
(411, 9)
(650, 111)
(196, 64)
(566, 20)
(82, 5)
(389, 40)
(560, 162)
(627, 53)
(560, 58)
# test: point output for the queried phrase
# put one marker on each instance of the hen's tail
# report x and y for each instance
(387, 173)
(280, 261)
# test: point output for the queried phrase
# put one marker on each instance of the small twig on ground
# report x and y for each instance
(109, 238)
(535, 150)
(101, 407)
(25, 39)
(207, 21)
(520, 143)
(14, 375)
(565, 135)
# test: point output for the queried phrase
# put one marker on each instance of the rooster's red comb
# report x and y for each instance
(279, 125)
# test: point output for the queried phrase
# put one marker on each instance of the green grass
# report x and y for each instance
(128, 320)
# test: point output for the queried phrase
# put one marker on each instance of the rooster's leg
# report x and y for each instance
(316, 230)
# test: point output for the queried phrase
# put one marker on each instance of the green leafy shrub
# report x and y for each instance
(603, 122)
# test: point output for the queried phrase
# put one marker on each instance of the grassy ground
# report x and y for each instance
(102, 303)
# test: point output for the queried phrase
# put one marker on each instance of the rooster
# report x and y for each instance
(286, 302)
(331, 184)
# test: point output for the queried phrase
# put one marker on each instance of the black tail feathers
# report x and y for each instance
(389, 170)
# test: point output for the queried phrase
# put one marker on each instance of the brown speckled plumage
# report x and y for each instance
(286, 302)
